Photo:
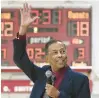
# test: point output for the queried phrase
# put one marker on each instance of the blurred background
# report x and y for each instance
(75, 22)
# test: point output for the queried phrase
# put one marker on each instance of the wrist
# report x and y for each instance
(22, 37)
(23, 25)
(23, 29)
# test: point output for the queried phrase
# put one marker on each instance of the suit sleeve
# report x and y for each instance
(84, 91)
(64, 95)
(21, 59)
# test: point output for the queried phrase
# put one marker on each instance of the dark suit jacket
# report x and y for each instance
(73, 85)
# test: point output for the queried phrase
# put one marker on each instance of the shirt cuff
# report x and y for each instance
(20, 37)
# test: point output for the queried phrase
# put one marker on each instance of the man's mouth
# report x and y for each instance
(60, 61)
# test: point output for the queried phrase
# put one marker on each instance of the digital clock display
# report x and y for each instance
(47, 16)
(70, 25)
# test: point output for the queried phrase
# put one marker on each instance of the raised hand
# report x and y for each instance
(26, 18)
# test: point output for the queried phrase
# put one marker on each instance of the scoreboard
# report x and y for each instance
(70, 25)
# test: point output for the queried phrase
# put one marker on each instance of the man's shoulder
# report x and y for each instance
(78, 75)
(46, 67)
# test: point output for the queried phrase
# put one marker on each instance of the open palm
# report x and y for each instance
(26, 18)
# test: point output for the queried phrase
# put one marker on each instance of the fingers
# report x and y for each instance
(34, 18)
(25, 10)
(48, 87)
(26, 13)
(21, 10)
(50, 90)
(29, 9)
(25, 7)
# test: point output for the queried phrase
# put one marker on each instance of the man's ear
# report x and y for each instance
(47, 59)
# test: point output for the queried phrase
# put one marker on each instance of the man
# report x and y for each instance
(68, 84)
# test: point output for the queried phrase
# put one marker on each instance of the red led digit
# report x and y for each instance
(81, 53)
(30, 52)
(9, 29)
(59, 17)
(4, 53)
(39, 53)
(47, 17)
(36, 12)
(2, 28)
(84, 28)
(78, 31)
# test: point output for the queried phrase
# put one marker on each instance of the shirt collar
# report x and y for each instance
(60, 72)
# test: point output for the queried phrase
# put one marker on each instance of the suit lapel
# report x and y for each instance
(43, 81)
(67, 80)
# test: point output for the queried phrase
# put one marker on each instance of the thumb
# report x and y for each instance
(34, 18)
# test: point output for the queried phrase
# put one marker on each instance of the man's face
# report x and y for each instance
(57, 56)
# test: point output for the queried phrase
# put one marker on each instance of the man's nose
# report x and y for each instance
(59, 54)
